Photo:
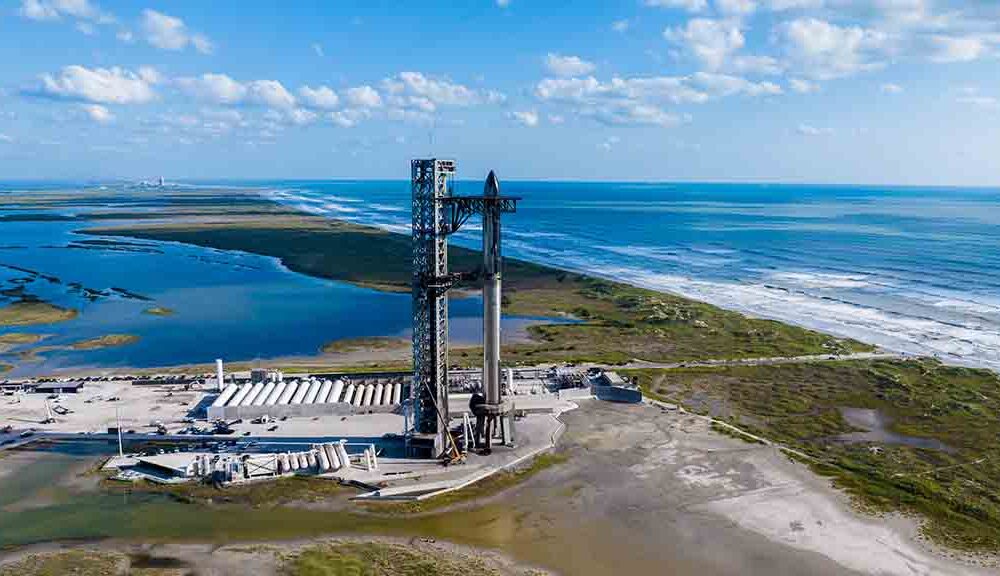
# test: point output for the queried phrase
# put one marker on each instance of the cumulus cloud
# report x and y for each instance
(620, 25)
(810, 130)
(527, 118)
(270, 93)
(949, 49)
(322, 97)
(689, 5)
(823, 50)
(99, 85)
(803, 86)
(642, 100)
(98, 113)
(55, 9)
(890, 88)
(217, 88)
(736, 7)
(567, 66)
(363, 97)
(709, 41)
(170, 33)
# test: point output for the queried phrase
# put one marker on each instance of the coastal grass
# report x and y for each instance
(614, 323)
(159, 311)
(280, 492)
(382, 559)
(799, 406)
(5, 368)
(69, 562)
(364, 343)
(489, 486)
(31, 312)
(19, 338)
(106, 341)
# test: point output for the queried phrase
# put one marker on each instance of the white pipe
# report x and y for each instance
(272, 399)
(286, 396)
(219, 375)
(338, 389)
(264, 394)
(374, 458)
(225, 396)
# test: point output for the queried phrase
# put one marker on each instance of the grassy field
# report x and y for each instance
(106, 341)
(28, 313)
(799, 405)
(72, 562)
(382, 559)
(370, 343)
(273, 493)
(616, 323)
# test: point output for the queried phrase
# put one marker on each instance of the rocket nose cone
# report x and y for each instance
(492, 185)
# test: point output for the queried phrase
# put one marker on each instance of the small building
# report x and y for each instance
(59, 388)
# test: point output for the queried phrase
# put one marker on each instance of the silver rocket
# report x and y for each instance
(491, 293)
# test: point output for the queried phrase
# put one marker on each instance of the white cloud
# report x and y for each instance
(689, 5)
(722, 85)
(567, 66)
(413, 89)
(736, 7)
(709, 41)
(527, 118)
(322, 97)
(823, 50)
(610, 142)
(620, 25)
(318, 49)
(270, 93)
(503, 3)
(556, 119)
(748, 64)
(5, 138)
(947, 49)
(218, 88)
(803, 86)
(37, 10)
(979, 100)
(98, 113)
(349, 117)
(125, 36)
(890, 88)
(302, 116)
(170, 33)
(86, 28)
(363, 97)
(809, 130)
(99, 85)
(55, 9)
(783, 5)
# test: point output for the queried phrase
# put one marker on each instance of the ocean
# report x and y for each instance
(915, 270)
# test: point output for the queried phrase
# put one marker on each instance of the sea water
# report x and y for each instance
(915, 270)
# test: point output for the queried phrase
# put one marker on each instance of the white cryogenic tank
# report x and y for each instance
(286, 396)
(331, 453)
(311, 458)
(253, 394)
(324, 462)
(369, 392)
(240, 395)
(387, 394)
(349, 394)
(338, 389)
(272, 398)
(359, 395)
(262, 397)
(293, 461)
(283, 463)
(225, 396)
(397, 392)
(377, 398)
(324, 391)
(345, 460)
(301, 394)
(313, 393)
(303, 461)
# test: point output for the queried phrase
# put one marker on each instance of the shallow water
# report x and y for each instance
(226, 304)
(875, 426)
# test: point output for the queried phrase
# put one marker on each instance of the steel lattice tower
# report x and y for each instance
(431, 184)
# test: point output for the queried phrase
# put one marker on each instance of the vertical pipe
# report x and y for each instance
(218, 373)
(491, 292)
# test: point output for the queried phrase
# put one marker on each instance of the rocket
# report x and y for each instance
(491, 292)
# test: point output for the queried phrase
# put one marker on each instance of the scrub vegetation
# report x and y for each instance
(75, 562)
(159, 311)
(799, 405)
(31, 312)
(369, 343)
(294, 489)
(384, 559)
(106, 341)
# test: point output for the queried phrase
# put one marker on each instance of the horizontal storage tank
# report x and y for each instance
(397, 393)
(293, 462)
(338, 389)
(322, 460)
(377, 398)
(324, 392)
(244, 390)
(345, 460)
(300, 395)
(272, 398)
(387, 394)
(286, 396)
(331, 454)
(264, 394)
(359, 395)
(283, 463)
(225, 396)
(369, 392)
(313, 393)
(303, 461)
(253, 394)
(349, 394)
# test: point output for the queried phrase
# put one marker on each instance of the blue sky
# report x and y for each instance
(840, 91)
